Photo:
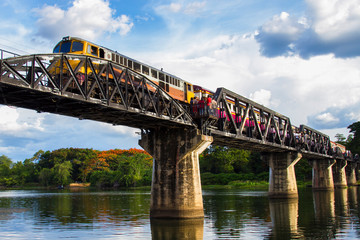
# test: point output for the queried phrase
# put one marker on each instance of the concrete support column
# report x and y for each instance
(339, 173)
(350, 173)
(176, 188)
(322, 174)
(282, 179)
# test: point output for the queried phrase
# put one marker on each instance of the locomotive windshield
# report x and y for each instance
(65, 47)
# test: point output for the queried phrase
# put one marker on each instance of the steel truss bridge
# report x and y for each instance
(111, 93)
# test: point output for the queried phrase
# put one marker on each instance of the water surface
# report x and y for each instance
(229, 214)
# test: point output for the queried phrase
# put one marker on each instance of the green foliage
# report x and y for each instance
(8, 181)
(225, 178)
(5, 165)
(340, 138)
(249, 184)
(354, 142)
(303, 171)
(102, 178)
(46, 177)
(125, 170)
(218, 159)
(62, 172)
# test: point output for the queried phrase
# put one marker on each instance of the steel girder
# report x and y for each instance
(270, 131)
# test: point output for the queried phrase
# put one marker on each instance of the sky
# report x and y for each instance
(299, 58)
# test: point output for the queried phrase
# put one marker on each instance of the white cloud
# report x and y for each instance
(284, 24)
(194, 7)
(327, 118)
(335, 19)
(190, 8)
(89, 19)
(328, 27)
(12, 124)
(262, 96)
(174, 7)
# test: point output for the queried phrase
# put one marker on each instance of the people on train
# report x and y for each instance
(201, 104)
(208, 104)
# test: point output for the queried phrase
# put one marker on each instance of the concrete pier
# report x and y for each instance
(322, 174)
(176, 188)
(339, 173)
(350, 173)
(282, 179)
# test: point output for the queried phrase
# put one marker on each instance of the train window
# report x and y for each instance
(113, 57)
(122, 60)
(130, 64)
(161, 76)
(117, 58)
(65, 47)
(93, 50)
(102, 53)
(154, 73)
(57, 48)
(167, 78)
(189, 88)
(77, 46)
(145, 70)
(137, 67)
(171, 80)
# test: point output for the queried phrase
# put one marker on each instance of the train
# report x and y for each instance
(176, 87)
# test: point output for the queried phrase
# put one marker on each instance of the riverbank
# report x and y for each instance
(246, 185)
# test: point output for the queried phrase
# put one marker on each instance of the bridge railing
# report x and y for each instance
(257, 127)
(7, 54)
(311, 140)
(94, 80)
(242, 118)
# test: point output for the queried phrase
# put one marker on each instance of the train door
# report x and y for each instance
(167, 83)
(185, 92)
(162, 80)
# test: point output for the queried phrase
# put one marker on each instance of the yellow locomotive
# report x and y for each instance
(174, 86)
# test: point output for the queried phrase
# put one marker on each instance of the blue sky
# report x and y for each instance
(299, 58)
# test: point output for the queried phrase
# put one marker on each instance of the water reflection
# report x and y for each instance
(341, 202)
(324, 207)
(284, 218)
(353, 197)
(192, 229)
(229, 214)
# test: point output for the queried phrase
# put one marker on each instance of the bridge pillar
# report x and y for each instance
(176, 187)
(350, 173)
(322, 174)
(282, 179)
(339, 173)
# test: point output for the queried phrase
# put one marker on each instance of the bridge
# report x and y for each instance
(111, 93)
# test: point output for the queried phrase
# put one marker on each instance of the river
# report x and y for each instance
(229, 214)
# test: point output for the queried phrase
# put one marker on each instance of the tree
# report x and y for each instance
(62, 172)
(218, 159)
(45, 176)
(354, 144)
(5, 166)
(340, 138)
